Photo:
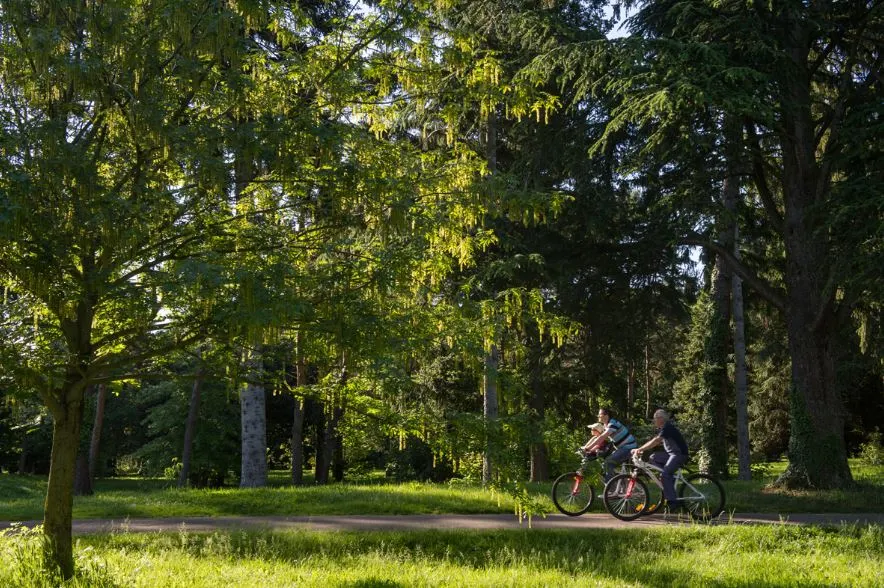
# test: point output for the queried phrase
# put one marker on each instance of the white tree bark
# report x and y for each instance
(254, 425)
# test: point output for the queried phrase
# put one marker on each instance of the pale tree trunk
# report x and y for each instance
(337, 457)
(298, 413)
(298, 442)
(630, 387)
(254, 425)
(718, 347)
(95, 442)
(740, 385)
(23, 458)
(736, 169)
(490, 411)
(647, 380)
(190, 429)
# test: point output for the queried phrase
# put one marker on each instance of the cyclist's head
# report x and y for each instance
(660, 417)
(604, 415)
(596, 428)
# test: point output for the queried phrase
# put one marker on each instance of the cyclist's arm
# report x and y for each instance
(596, 441)
(650, 444)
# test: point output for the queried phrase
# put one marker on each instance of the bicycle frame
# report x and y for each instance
(652, 471)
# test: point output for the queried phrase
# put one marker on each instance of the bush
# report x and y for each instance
(871, 452)
(416, 462)
(215, 457)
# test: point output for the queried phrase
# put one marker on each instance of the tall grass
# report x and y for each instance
(776, 555)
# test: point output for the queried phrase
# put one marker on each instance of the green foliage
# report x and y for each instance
(215, 460)
(417, 462)
(872, 451)
(694, 392)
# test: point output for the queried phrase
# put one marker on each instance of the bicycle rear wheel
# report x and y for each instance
(625, 497)
(572, 494)
(703, 496)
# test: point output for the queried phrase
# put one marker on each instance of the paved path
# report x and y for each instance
(425, 522)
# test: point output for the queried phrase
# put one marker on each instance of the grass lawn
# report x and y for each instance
(774, 555)
(21, 498)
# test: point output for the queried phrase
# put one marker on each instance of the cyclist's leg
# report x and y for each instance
(673, 462)
(620, 455)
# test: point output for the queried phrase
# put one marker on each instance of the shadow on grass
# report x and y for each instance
(646, 557)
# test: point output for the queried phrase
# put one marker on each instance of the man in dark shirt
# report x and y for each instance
(673, 456)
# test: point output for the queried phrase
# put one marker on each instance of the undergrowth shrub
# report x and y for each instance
(871, 452)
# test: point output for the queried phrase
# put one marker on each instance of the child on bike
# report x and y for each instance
(618, 436)
(602, 449)
(593, 450)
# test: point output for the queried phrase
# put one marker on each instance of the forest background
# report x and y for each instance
(434, 237)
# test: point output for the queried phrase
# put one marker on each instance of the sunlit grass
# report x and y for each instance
(21, 498)
(136, 498)
(736, 555)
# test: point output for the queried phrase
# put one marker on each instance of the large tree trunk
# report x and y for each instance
(489, 383)
(98, 423)
(740, 386)
(82, 481)
(298, 413)
(537, 405)
(330, 434)
(254, 426)
(490, 411)
(817, 452)
(326, 452)
(717, 380)
(58, 508)
(190, 429)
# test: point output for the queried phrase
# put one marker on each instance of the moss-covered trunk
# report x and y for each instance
(817, 452)
(58, 508)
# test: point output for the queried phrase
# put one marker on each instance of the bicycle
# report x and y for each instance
(626, 496)
(572, 493)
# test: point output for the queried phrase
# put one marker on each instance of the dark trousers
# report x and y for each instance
(620, 455)
(669, 463)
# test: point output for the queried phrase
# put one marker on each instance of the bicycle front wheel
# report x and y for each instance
(655, 495)
(572, 494)
(703, 496)
(625, 497)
